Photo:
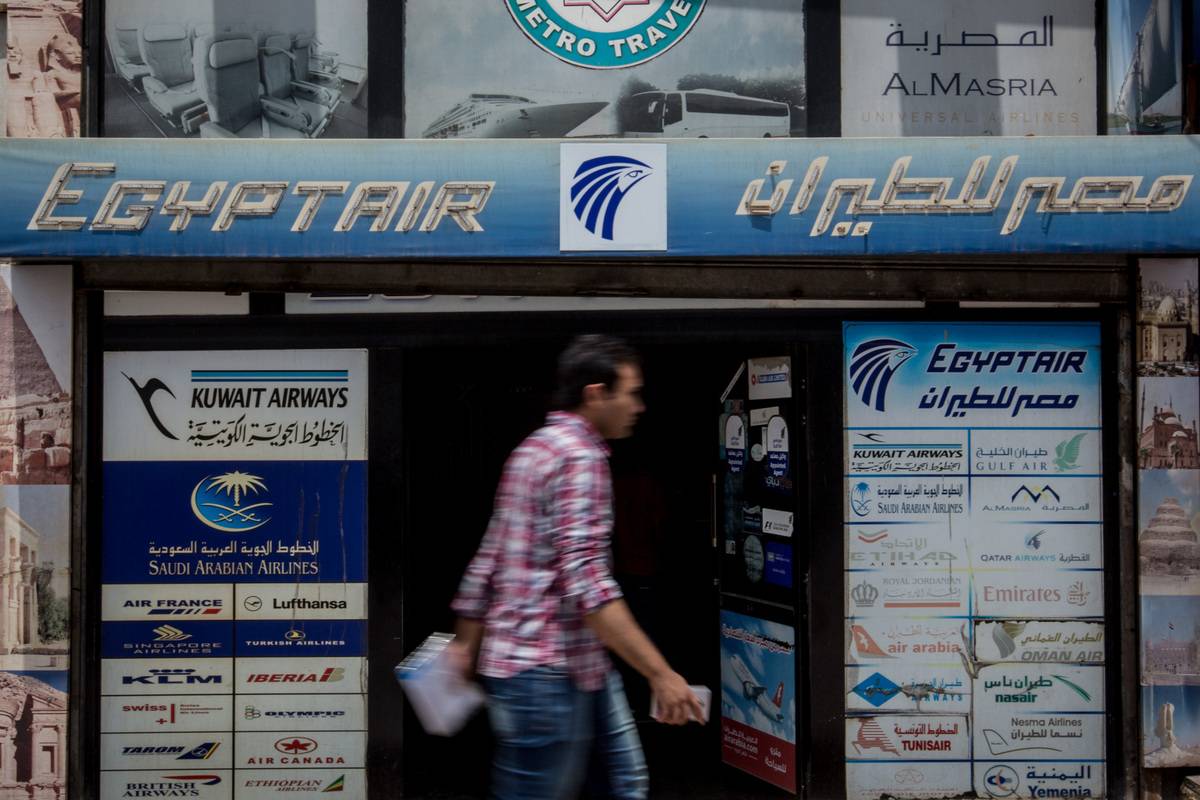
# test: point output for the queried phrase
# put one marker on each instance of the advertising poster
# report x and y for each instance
(949, 68)
(1145, 61)
(161, 76)
(1168, 318)
(758, 698)
(42, 86)
(974, 538)
(574, 68)
(234, 566)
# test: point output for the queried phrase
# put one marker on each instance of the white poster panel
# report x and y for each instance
(1035, 641)
(166, 713)
(301, 675)
(952, 68)
(255, 784)
(923, 546)
(203, 784)
(1012, 688)
(137, 601)
(1039, 593)
(181, 751)
(770, 378)
(934, 593)
(908, 686)
(907, 452)
(1034, 735)
(907, 736)
(159, 676)
(288, 750)
(1042, 452)
(208, 405)
(931, 641)
(300, 712)
(1036, 499)
(1040, 779)
(301, 600)
(919, 780)
(1025, 546)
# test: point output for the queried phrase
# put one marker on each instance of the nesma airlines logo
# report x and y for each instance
(872, 365)
(613, 199)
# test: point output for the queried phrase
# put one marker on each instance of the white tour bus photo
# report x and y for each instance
(704, 113)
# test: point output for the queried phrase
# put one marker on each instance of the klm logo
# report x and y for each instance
(872, 366)
(599, 188)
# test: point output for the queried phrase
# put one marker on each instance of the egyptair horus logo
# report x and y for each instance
(219, 502)
(600, 186)
(872, 365)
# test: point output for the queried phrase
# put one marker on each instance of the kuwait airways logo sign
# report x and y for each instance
(613, 197)
(605, 34)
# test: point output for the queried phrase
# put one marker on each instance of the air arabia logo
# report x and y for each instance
(605, 34)
(222, 502)
(872, 365)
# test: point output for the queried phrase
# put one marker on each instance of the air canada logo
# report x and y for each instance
(222, 502)
(295, 745)
(605, 34)
(146, 393)
(599, 188)
(872, 365)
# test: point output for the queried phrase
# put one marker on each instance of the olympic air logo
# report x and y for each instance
(872, 365)
(613, 199)
(605, 34)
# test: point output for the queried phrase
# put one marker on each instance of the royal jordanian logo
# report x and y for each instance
(900, 194)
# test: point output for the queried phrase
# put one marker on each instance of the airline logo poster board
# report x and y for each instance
(974, 558)
(234, 564)
(758, 698)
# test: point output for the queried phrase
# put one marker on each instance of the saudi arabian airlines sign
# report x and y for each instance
(544, 199)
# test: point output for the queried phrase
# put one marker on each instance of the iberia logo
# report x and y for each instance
(605, 34)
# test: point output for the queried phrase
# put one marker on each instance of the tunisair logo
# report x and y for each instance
(605, 34)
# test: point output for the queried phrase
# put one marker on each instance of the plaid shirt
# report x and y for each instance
(545, 560)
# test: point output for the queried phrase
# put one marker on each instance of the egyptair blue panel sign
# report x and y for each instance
(418, 199)
(342, 637)
(234, 522)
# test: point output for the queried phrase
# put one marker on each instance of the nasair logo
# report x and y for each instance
(613, 199)
(221, 502)
(605, 34)
(872, 365)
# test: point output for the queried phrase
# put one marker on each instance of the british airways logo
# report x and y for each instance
(872, 365)
(600, 187)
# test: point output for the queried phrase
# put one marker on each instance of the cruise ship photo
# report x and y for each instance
(507, 116)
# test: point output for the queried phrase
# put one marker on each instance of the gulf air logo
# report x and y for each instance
(872, 365)
(599, 188)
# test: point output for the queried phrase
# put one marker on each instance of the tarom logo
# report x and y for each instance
(217, 501)
(872, 365)
(599, 187)
(200, 752)
(605, 34)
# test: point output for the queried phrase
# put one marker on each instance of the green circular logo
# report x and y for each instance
(605, 34)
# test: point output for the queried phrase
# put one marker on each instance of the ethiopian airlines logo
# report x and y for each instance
(605, 34)
(222, 502)
(872, 365)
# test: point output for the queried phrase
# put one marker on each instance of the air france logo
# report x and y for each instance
(613, 199)
(872, 365)
(222, 502)
(605, 34)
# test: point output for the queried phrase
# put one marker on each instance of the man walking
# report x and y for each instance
(538, 605)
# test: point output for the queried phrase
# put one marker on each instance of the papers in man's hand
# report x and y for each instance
(703, 694)
(442, 698)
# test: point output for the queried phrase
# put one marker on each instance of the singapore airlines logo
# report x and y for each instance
(600, 187)
(872, 365)
(613, 200)
(220, 502)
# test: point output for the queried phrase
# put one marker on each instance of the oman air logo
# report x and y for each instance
(872, 365)
(220, 502)
(600, 187)
(605, 34)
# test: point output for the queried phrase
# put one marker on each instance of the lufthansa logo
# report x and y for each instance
(605, 34)
(220, 502)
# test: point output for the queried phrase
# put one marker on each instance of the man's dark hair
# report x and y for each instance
(588, 359)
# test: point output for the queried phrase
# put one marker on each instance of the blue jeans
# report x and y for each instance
(547, 731)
